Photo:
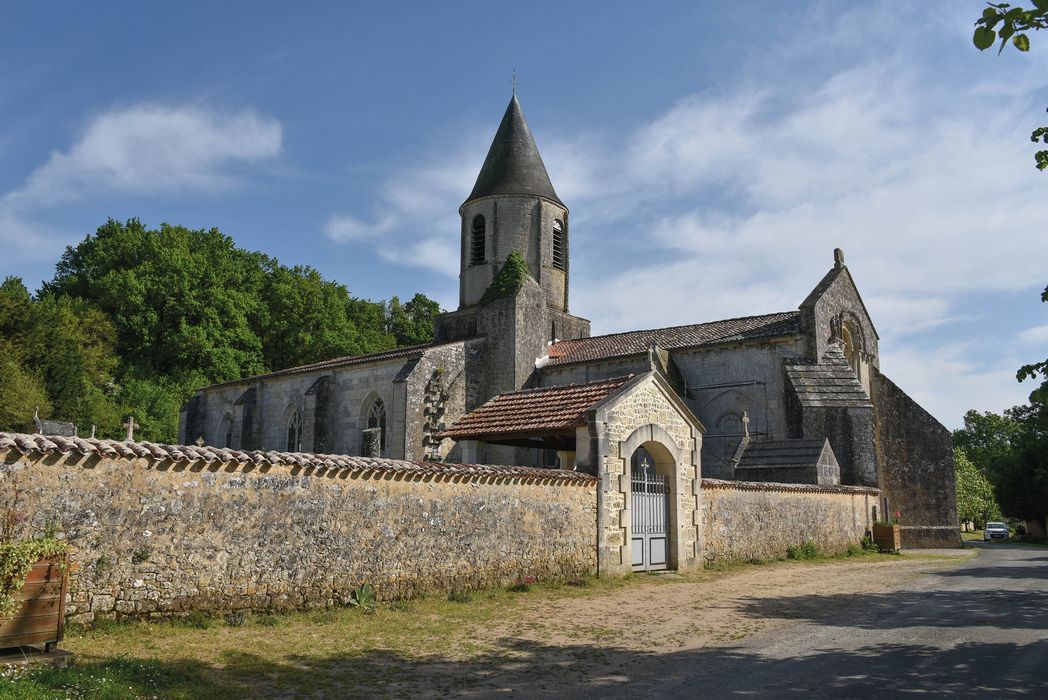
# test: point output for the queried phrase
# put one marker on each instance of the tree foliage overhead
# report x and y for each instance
(1002, 22)
(136, 318)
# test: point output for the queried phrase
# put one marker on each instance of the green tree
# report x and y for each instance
(309, 320)
(69, 347)
(183, 301)
(186, 308)
(987, 437)
(976, 502)
(412, 323)
(21, 393)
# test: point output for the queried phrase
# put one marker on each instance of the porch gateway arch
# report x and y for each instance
(646, 521)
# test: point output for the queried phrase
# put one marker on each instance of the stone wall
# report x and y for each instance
(915, 464)
(154, 537)
(748, 520)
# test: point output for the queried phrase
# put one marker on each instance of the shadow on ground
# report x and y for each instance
(528, 669)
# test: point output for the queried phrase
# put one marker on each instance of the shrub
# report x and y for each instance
(523, 585)
(235, 619)
(196, 620)
(460, 596)
(363, 597)
(805, 550)
(868, 545)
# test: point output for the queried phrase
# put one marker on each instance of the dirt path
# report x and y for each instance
(675, 613)
(560, 646)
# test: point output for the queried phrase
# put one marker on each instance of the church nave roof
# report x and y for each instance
(605, 347)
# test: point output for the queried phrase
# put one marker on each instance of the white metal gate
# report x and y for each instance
(650, 519)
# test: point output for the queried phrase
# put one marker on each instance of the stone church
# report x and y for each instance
(513, 377)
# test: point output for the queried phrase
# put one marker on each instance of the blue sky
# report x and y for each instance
(712, 155)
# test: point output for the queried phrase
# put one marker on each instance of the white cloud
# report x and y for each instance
(414, 221)
(1035, 335)
(141, 150)
(946, 382)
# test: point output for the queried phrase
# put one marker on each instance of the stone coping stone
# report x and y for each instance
(773, 486)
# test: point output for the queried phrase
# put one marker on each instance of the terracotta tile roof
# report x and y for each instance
(603, 347)
(26, 444)
(545, 410)
(830, 383)
(411, 352)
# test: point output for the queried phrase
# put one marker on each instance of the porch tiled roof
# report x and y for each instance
(41, 445)
(545, 410)
(603, 347)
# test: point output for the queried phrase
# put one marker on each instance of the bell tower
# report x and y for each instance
(514, 208)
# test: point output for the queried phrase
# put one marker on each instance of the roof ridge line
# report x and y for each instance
(683, 325)
(621, 378)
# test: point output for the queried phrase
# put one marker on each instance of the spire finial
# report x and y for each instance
(513, 82)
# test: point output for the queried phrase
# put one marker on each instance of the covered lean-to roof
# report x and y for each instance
(546, 411)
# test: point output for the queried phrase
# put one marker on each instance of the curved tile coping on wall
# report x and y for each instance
(205, 456)
(774, 486)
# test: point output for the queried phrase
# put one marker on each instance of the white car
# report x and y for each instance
(995, 531)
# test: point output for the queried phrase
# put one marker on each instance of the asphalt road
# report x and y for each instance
(976, 630)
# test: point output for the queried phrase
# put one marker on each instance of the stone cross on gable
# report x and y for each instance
(130, 424)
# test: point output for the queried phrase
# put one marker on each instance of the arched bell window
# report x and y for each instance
(377, 419)
(851, 348)
(560, 248)
(478, 240)
(294, 432)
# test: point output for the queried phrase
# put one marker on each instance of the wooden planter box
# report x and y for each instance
(887, 538)
(39, 612)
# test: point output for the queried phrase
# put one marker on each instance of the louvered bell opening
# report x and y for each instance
(560, 257)
(477, 241)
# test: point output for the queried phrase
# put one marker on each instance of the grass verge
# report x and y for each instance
(336, 652)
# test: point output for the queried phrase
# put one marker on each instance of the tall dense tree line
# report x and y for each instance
(136, 318)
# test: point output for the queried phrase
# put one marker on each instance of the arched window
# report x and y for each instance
(851, 349)
(560, 250)
(377, 419)
(294, 432)
(477, 240)
(226, 431)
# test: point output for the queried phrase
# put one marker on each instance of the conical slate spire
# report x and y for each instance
(513, 165)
